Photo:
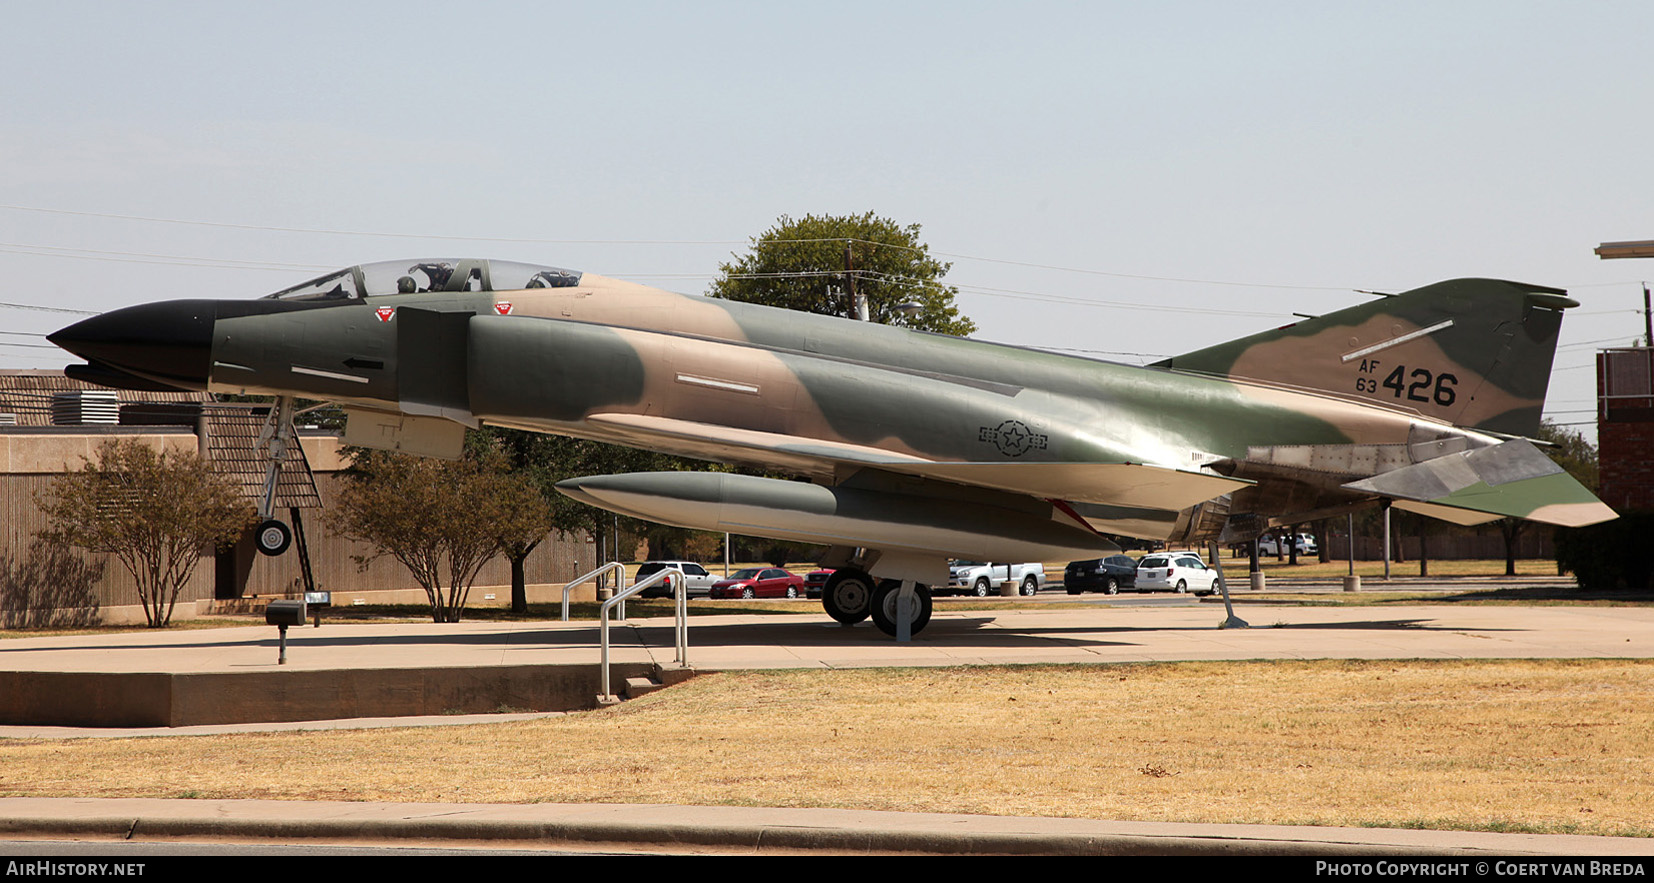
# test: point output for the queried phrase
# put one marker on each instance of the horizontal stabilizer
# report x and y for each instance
(1512, 479)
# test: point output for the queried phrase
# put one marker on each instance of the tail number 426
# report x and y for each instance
(1419, 385)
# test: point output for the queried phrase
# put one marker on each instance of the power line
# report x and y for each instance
(93, 254)
(327, 232)
(48, 309)
(548, 241)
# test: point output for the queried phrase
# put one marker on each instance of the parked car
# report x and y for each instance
(1270, 544)
(1178, 571)
(980, 578)
(697, 581)
(1107, 575)
(815, 581)
(759, 582)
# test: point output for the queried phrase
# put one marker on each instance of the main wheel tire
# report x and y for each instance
(1110, 587)
(272, 537)
(748, 594)
(884, 607)
(848, 596)
(981, 587)
(1030, 586)
(792, 591)
(1182, 587)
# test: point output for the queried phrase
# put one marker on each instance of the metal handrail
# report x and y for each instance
(620, 579)
(681, 631)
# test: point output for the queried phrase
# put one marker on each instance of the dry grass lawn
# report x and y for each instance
(1513, 746)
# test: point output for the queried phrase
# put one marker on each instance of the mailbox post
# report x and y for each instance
(282, 614)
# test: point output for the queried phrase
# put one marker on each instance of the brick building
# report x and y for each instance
(1625, 428)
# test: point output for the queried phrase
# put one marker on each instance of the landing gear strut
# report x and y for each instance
(272, 537)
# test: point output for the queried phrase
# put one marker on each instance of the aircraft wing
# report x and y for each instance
(1510, 479)
(1120, 484)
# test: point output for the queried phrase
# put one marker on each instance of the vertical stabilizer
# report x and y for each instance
(1473, 352)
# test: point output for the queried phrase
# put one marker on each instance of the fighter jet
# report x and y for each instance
(907, 448)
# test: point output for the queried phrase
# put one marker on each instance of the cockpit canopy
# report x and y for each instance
(417, 276)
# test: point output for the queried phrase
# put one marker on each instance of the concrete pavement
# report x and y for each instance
(811, 640)
(740, 830)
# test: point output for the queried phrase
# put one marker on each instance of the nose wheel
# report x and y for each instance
(272, 537)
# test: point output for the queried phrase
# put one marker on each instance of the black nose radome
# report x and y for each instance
(168, 342)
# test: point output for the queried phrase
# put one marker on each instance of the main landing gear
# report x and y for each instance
(847, 595)
(851, 596)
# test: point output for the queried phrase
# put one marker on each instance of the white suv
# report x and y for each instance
(1178, 571)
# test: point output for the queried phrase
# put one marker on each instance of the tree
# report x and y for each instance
(442, 519)
(524, 467)
(800, 265)
(155, 511)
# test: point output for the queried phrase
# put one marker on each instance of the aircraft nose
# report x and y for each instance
(170, 342)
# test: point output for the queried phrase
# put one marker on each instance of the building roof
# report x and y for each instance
(27, 394)
(232, 428)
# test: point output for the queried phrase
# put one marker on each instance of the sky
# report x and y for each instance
(1121, 180)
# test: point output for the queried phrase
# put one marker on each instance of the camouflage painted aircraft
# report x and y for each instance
(917, 447)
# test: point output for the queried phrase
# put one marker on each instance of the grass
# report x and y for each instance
(1549, 746)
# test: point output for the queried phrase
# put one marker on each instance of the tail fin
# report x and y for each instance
(1472, 352)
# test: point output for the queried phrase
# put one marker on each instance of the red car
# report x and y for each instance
(815, 581)
(759, 582)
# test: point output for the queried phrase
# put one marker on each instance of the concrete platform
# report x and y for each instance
(809, 640)
(349, 670)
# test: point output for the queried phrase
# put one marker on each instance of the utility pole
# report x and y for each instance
(858, 305)
(1648, 321)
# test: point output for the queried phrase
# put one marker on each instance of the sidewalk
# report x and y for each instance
(742, 830)
(810, 640)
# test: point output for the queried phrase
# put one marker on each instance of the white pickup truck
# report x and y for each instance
(982, 579)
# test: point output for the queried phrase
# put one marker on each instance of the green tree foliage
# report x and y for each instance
(442, 519)
(543, 460)
(529, 465)
(155, 511)
(800, 265)
(1572, 452)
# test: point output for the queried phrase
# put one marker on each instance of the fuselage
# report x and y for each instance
(811, 394)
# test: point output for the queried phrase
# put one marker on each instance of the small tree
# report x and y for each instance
(800, 265)
(155, 511)
(522, 490)
(441, 519)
